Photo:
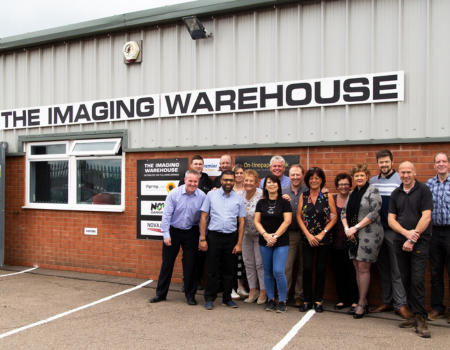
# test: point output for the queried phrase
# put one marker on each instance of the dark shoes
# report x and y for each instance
(408, 323)
(382, 308)
(403, 312)
(421, 327)
(191, 301)
(365, 309)
(351, 311)
(209, 305)
(281, 307)
(230, 303)
(318, 308)
(305, 307)
(157, 299)
(434, 315)
(271, 305)
(340, 307)
(298, 302)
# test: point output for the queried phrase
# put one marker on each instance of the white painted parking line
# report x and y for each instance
(53, 318)
(294, 330)
(16, 273)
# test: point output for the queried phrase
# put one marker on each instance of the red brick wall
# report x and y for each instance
(55, 239)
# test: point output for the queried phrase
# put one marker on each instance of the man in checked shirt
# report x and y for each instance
(440, 240)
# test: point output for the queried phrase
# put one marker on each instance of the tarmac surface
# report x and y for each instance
(52, 309)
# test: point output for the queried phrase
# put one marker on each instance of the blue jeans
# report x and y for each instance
(274, 263)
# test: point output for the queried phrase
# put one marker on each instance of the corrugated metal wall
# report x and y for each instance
(304, 41)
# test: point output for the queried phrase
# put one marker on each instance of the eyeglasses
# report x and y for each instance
(227, 180)
(344, 185)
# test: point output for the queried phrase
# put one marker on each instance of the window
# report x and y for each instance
(75, 175)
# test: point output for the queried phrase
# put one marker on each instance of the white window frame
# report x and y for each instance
(97, 153)
(72, 177)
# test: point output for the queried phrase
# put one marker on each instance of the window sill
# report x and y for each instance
(97, 208)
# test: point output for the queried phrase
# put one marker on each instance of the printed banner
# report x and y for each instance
(261, 164)
(211, 166)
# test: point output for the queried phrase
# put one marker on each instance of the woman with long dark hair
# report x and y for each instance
(361, 219)
(273, 216)
(316, 215)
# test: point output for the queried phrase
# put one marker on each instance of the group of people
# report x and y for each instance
(390, 219)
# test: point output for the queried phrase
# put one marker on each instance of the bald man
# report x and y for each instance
(410, 216)
(226, 163)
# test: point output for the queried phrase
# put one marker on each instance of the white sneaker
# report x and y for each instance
(243, 292)
(235, 296)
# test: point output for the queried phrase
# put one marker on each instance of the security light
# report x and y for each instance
(195, 28)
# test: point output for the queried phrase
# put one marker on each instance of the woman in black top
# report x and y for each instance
(316, 215)
(273, 216)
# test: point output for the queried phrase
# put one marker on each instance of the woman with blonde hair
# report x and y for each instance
(250, 243)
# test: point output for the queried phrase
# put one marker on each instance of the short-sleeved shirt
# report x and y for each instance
(316, 216)
(250, 206)
(408, 207)
(284, 181)
(223, 210)
(441, 200)
(295, 198)
(272, 217)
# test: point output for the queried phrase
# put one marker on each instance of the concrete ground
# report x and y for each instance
(129, 321)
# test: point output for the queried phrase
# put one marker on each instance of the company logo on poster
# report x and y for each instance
(261, 164)
(211, 166)
(152, 208)
(151, 228)
(158, 188)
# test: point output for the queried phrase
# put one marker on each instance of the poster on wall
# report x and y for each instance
(155, 179)
(261, 164)
(211, 166)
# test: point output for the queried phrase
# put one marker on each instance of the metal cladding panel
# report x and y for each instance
(243, 127)
(310, 41)
(288, 37)
(414, 61)
(438, 84)
(244, 71)
(360, 34)
(303, 41)
(266, 46)
(205, 59)
(334, 40)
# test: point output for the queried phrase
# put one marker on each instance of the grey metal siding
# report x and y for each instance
(292, 42)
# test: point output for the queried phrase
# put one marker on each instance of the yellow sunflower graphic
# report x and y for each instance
(170, 186)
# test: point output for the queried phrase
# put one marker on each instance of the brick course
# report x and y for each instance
(55, 239)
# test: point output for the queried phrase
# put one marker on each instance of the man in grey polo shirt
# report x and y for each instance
(294, 190)
(393, 294)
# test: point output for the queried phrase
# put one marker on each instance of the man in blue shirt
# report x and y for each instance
(226, 209)
(180, 227)
(440, 240)
(393, 293)
(277, 168)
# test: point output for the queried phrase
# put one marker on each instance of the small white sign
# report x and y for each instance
(211, 166)
(90, 231)
(158, 188)
(152, 208)
(151, 228)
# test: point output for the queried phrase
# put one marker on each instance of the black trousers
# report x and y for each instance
(439, 256)
(188, 240)
(412, 266)
(220, 253)
(308, 265)
(345, 276)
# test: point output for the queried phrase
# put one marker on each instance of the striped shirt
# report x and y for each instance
(386, 185)
(441, 201)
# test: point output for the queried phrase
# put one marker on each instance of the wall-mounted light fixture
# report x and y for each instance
(195, 28)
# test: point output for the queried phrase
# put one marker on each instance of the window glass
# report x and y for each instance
(94, 146)
(48, 149)
(99, 181)
(49, 182)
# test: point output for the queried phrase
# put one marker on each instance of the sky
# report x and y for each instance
(24, 16)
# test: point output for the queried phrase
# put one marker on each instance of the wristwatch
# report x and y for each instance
(357, 227)
(410, 241)
(275, 236)
(325, 231)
